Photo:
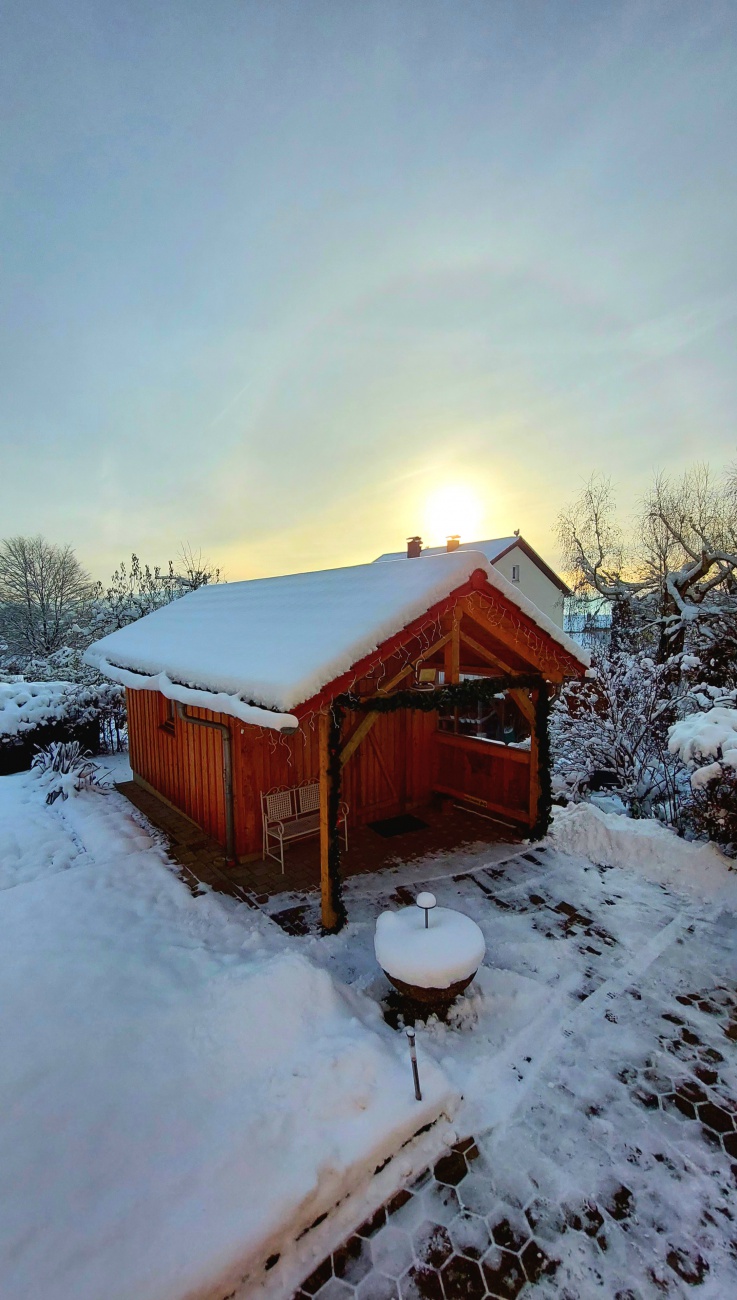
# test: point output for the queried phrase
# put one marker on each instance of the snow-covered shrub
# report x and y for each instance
(65, 768)
(706, 744)
(711, 812)
(610, 731)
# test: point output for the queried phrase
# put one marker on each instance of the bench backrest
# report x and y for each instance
(282, 805)
(309, 797)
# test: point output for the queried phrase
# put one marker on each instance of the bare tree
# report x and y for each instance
(43, 589)
(680, 564)
(138, 589)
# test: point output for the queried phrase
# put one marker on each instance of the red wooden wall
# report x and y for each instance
(390, 771)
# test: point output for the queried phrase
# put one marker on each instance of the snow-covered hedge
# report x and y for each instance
(37, 713)
(26, 705)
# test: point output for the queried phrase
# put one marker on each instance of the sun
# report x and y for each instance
(452, 509)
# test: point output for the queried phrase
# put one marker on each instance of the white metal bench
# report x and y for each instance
(289, 814)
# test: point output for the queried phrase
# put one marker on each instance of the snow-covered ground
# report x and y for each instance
(182, 1091)
(594, 1049)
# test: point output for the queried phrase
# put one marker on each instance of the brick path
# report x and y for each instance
(202, 859)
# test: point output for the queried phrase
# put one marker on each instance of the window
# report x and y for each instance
(515, 573)
(167, 715)
(500, 719)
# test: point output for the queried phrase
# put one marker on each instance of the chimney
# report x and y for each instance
(452, 543)
(414, 547)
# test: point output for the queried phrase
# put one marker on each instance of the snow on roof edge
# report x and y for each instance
(215, 701)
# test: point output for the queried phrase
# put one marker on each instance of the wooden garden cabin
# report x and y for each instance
(242, 687)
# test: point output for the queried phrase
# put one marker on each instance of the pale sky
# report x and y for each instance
(272, 273)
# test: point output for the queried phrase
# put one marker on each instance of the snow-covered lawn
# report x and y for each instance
(184, 1089)
(183, 1092)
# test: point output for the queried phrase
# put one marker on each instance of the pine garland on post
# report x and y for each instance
(545, 786)
(334, 854)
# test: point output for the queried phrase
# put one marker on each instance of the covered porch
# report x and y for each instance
(444, 826)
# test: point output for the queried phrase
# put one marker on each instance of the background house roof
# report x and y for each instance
(276, 642)
(494, 548)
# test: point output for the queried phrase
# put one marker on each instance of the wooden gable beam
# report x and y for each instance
(492, 659)
(546, 664)
(354, 740)
(410, 667)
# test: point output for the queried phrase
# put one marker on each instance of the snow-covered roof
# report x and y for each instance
(492, 549)
(273, 643)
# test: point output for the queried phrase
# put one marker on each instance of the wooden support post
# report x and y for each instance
(329, 915)
(452, 668)
(534, 758)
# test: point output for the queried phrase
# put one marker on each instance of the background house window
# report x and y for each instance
(515, 573)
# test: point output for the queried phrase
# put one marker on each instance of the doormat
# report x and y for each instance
(391, 826)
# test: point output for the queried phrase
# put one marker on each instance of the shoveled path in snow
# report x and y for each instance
(597, 1054)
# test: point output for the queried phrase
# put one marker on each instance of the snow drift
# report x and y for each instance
(646, 846)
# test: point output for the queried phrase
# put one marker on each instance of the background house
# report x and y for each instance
(515, 559)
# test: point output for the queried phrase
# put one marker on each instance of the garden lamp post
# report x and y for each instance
(427, 902)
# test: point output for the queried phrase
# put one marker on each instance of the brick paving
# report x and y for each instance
(446, 1235)
(202, 860)
(451, 1235)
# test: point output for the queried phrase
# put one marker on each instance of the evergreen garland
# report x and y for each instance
(428, 701)
(334, 781)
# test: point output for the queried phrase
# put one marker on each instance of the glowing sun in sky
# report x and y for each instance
(453, 508)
